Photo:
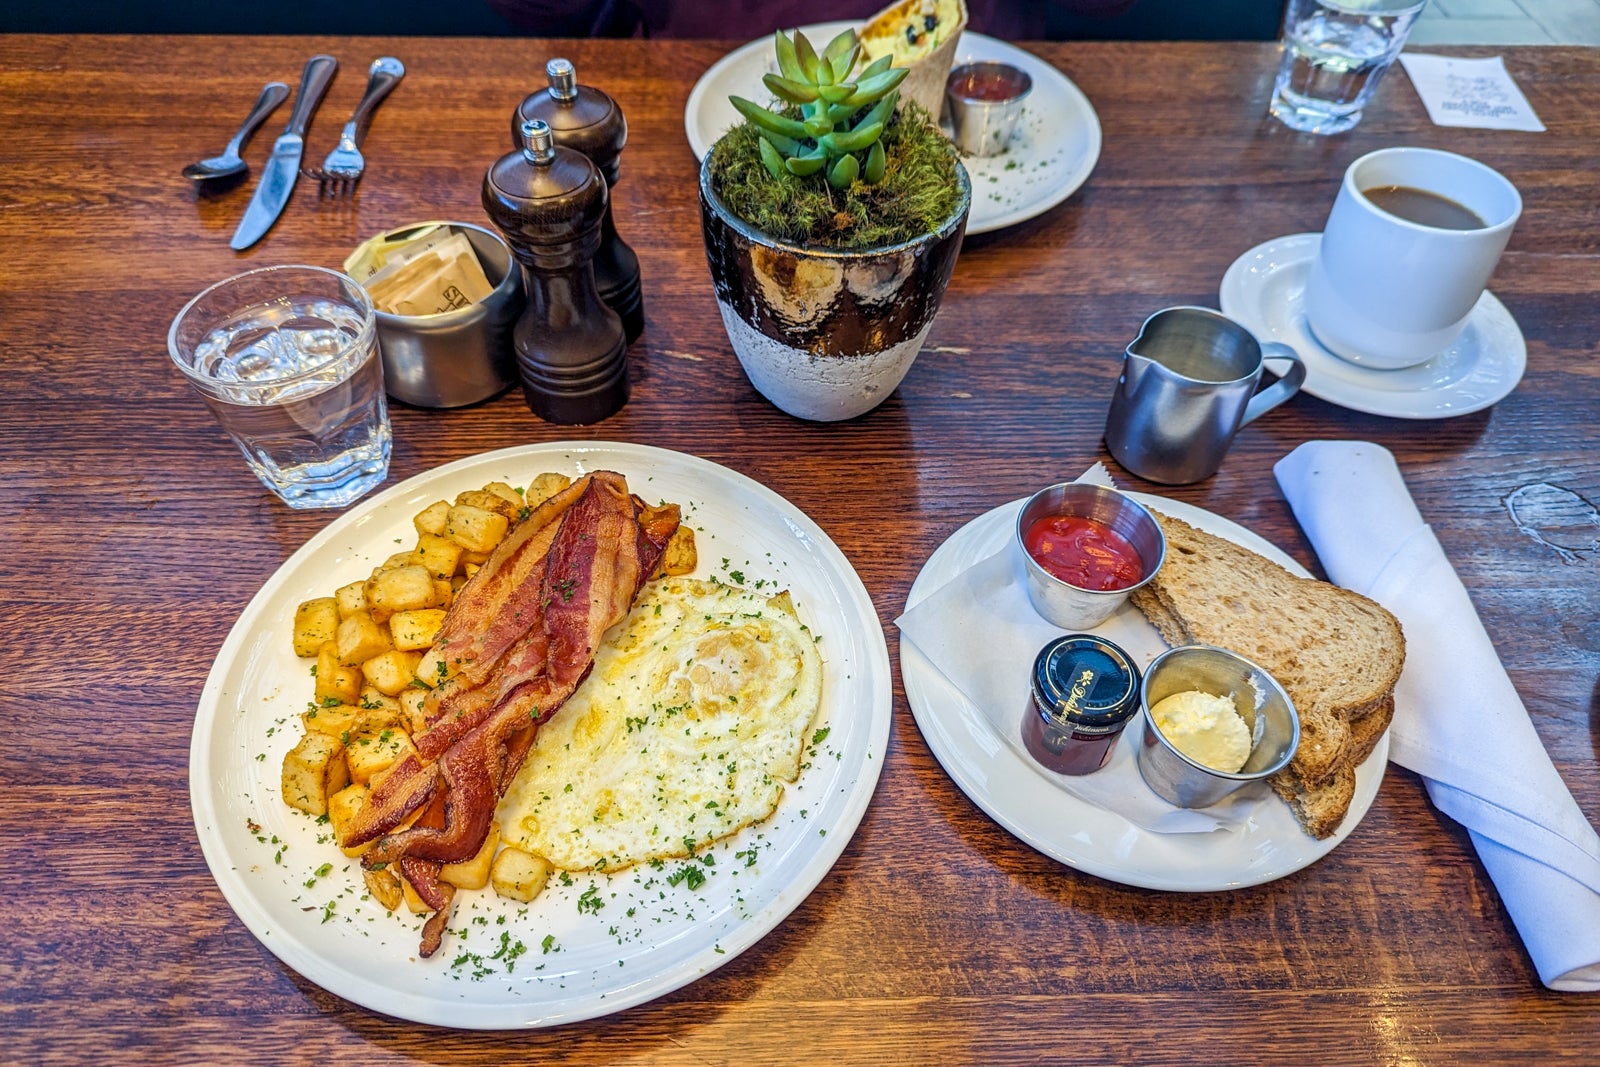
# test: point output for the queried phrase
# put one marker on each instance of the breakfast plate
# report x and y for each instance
(1055, 148)
(590, 944)
(1021, 796)
(1264, 290)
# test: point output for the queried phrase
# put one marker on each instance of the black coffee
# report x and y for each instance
(1423, 208)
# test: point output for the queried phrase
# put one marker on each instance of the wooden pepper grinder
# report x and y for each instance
(586, 119)
(571, 349)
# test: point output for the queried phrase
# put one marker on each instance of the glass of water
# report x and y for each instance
(1334, 54)
(287, 360)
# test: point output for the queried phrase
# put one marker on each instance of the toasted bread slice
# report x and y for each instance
(1322, 808)
(1338, 653)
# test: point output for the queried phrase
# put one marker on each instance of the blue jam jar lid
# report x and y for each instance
(1084, 680)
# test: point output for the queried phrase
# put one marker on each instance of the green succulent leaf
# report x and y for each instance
(788, 61)
(873, 88)
(772, 160)
(842, 64)
(818, 127)
(841, 44)
(793, 91)
(839, 113)
(844, 172)
(877, 66)
(766, 120)
(880, 111)
(872, 173)
(804, 166)
(853, 141)
(807, 56)
(787, 146)
(831, 93)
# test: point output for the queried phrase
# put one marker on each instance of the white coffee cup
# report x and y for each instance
(1386, 292)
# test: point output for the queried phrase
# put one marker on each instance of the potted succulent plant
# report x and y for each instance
(832, 222)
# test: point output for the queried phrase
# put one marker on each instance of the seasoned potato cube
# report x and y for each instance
(473, 873)
(359, 638)
(471, 562)
(431, 519)
(544, 487)
(412, 713)
(391, 672)
(376, 700)
(475, 529)
(313, 771)
(415, 629)
(400, 589)
(352, 598)
(680, 556)
(371, 749)
(334, 720)
(438, 554)
(414, 903)
(314, 624)
(399, 559)
(505, 492)
(518, 875)
(443, 592)
(384, 886)
(342, 807)
(336, 682)
(482, 498)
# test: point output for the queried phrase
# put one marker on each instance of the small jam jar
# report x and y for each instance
(1085, 689)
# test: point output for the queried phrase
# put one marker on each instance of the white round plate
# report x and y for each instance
(1265, 290)
(1055, 148)
(1019, 796)
(649, 936)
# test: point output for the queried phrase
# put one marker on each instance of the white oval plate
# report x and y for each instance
(262, 854)
(1020, 797)
(1264, 290)
(1054, 150)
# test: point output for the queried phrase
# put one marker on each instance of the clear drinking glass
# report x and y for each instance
(287, 360)
(1334, 54)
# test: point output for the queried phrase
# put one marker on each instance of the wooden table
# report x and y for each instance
(135, 537)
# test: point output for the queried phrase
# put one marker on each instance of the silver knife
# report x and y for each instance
(277, 177)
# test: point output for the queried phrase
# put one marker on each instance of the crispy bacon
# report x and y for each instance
(596, 548)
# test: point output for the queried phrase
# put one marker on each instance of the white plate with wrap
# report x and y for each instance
(1053, 152)
(1021, 796)
(561, 958)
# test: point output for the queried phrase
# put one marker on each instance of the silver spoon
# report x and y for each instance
(229, 163)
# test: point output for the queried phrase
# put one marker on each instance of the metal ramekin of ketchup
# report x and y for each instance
(1084, 689)
(1085, 548)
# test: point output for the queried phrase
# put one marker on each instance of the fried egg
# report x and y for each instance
(695, 717)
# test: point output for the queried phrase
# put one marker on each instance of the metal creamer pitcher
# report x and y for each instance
(1188, 383)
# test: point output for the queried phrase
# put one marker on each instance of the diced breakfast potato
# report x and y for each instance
(352, 598)
(473, 873)
(334, 720)
(360, 638)
(439, 555)
(444, 593)
(314, 624)
(335, 681)
(412, 714)
(432, 668)
(399, 589)
(391, 672)
(518, 875)
(399, 559)
(416, 628)
(374, 699)
(507, 493)
(471, 561)
(314, 770)
(544, 487)
(342, 807)
(384, 886)
(482, 498)
(680, 556)
(475, 529)
(414, 903)
(431, 519)
(372, 749)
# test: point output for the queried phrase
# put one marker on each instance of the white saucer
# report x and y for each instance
(1264, 291)
(1055, 148)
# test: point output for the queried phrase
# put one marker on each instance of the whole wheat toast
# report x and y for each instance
(1337, 653)
(1321, 808)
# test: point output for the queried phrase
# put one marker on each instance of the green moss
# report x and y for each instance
(916, 197)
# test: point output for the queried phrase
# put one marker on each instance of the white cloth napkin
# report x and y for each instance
(982, 634)
(1458, 723)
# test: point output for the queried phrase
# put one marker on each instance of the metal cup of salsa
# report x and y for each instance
(1084, 549)
(986, 100)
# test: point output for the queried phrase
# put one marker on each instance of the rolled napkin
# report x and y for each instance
(1459, 722)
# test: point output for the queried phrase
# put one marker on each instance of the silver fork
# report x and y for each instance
(342, 169)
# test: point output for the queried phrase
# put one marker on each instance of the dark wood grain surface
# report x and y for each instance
(134, 536)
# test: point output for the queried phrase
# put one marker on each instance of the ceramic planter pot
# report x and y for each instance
(826, 335)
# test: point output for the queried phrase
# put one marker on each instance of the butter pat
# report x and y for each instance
(1205, 727)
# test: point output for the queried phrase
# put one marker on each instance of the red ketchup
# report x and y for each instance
(981, 83)
(1083, 553)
